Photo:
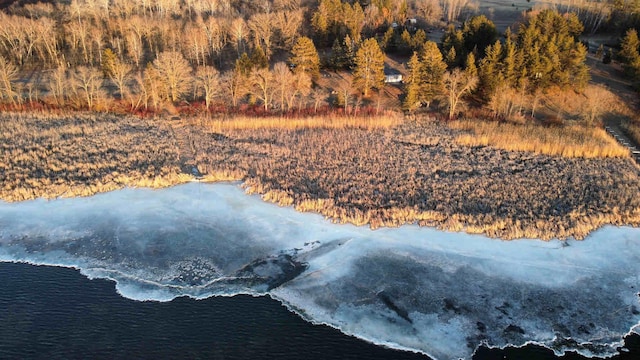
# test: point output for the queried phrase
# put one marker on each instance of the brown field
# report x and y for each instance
(389, 174)
(565, 141)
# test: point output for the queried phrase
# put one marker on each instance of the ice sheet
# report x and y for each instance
(414, 288)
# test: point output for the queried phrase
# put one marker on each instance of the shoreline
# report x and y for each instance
(118, 256)
(410, 173)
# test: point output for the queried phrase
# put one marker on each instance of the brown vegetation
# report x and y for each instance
(566, 141)
(81, 154)
(417, 173)
(380, 171)
(331, 121)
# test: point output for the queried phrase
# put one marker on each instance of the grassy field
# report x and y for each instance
(565, 141)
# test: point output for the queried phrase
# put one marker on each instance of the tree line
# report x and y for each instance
(146, 54)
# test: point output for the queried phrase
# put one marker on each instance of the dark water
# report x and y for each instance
(56, 313)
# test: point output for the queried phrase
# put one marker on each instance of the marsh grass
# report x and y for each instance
(363, 174)
(573, 141)
(416, 173)
(80, 154)
(221, 124)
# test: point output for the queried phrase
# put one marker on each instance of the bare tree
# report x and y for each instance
(429, 10)
(234, 86)
(507, 102)
(196, 42)
(598, 99)
(175, 72)
(262, 30)
(57, 84)
(88, 84)
(453, 8)
(283, 83)
(8, 77)
(119, 72)
(300, 89)
(208, 83)
(457, 84)
(288, 25)
(344, 91)
(263, 86)
(318, 96)
(238, 31)
(217, 35)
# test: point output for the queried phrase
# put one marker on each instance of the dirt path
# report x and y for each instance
(186, 148)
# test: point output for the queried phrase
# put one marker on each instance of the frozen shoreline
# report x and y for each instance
(197, 239)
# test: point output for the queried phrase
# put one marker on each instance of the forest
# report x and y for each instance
(214, 56)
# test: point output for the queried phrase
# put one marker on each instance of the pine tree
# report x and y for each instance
(338, 60)
(453, 46)
(490, 72)
(243, 65)
(349, 52)
(369, 67)
(470, 68)
(478, 33)
(109, 58)
(431, 72)
(259, 59)
(412, 84)
(305, 59)
(629, 54)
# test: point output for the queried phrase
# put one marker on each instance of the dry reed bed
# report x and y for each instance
(419, 173)
(566, 141)
(332, 121)
(381, 175)
(82, 154)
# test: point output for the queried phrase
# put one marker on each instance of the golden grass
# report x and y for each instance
(386, 120)
(567, 141)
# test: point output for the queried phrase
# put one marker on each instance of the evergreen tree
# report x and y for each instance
(412, 84)
(305, 59)
(109, 58)
(490, 73)
(629, 54)
(478, 33)
(369, 67)
(243, 65)
(431, 72)
(452, 46)
(350, 48)
(418, 39)
(259, 59)
(470, 68)
(387, 40)
(338, 56)
(550, 52)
